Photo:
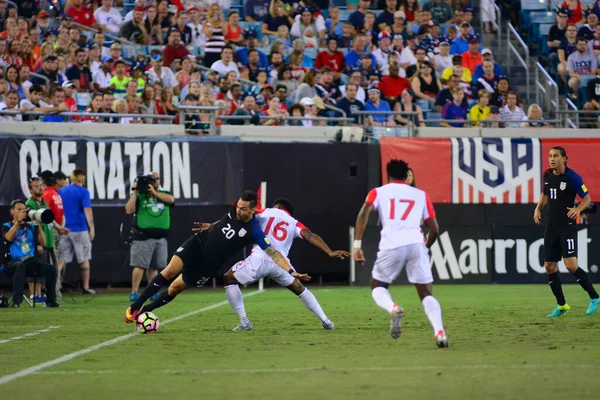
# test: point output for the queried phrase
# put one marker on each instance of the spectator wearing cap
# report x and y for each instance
(195, 24)
(325, 87)
(42, 23)
(82, 15)
(309, 28)
(353, 57)
(486, 55)
(385, 19)
(407, 55)
(445, 95)
(159, 73)
(108, 18)
(399, 26)
(118, 82)
(135, 29)
(241, 55)
(256, 10)
(69, 89)
(441, 12)
(443, 59)
(174, 49)
(310, 111)
(392, 85)
(101, 78)
(350, 104)
(79, 73)
(461, 43)
(215, 29)
(49, 70)
(357, 17)
(331, 58)
(472, 57)
(376, 104)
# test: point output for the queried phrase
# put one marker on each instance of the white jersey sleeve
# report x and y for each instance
(281, 229)
(402, 210)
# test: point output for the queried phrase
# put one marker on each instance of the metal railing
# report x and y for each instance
(241, 80)
(546, 91)
(109, 35)
(569, 123)
(575, 118)
(36, 75)
(410, 127)
(67, 115)
(497, 23)
(512, 50)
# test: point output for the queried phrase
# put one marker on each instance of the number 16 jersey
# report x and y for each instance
(281, 229)
(402, 210)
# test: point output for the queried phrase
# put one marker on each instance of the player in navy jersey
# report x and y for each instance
(201, 256)
(561, 185)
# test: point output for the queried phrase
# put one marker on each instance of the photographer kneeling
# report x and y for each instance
(151, 207)
(21, 239)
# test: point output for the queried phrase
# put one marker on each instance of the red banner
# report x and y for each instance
(488, 170)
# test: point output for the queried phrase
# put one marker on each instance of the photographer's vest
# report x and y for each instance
(152, 218)
(46, 228)
(23, 245)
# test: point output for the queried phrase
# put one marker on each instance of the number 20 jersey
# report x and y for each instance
(402, 210)
(281, 229)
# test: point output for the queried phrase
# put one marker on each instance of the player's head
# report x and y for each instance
(284, 204)
(397, 170)
(246, 205)
(410, 178)
(557, 157)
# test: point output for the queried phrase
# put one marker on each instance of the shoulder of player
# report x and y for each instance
(572, 174)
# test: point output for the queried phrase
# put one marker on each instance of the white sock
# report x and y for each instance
(433, 310)
(383, 299)
(236, 300)
(310, 301)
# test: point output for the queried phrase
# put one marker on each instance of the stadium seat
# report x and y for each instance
(424, 104)
(83, 99)
(255, 26)
(433, 115)
(130, 51)
(390, 132)
(543, 38)
(344, 15)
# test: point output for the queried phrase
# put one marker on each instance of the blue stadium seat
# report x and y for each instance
(83, 100)
(543, 39)
(433, 115)
(345, 14)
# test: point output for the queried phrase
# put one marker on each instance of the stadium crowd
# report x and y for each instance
(266, 58)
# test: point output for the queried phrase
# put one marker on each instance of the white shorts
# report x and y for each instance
(253, 268)
(390, 263)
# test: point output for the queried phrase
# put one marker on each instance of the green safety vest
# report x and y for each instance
(152, 216)
(46, 228)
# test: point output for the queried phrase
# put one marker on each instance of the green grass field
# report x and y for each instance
(502, 347)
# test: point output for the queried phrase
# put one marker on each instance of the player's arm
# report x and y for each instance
(574, 211)
(359, 230)
(434, 231)
(319, 243)
(537, 214)
(203, 226)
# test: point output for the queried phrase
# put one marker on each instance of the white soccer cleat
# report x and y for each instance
(245, 327)
(328, 325)
(441, 340)
(396, 321)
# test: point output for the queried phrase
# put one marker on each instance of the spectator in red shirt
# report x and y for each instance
(68, 87)
(54, 201)
(81, 14)
(393, 85)
(332, 58)
(174, 49)
(472, 57)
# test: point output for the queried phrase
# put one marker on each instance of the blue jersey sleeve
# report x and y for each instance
(578, 184)
(258, 236)
(85, 199)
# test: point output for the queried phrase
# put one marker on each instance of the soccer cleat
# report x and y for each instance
(396, 321)
(131, 316)
(40, 299)
(245, 327)
(559, 310)
(594, 303)
(134, 296)
(441, 340)
(88, 291)
(51, 305)
(328, 325)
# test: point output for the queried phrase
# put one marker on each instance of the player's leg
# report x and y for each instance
(160, 255)
(552, 253)
(176, 287)
(569, 251)
(307, 298)
(418, 272)
(387, 267)
(234, 294)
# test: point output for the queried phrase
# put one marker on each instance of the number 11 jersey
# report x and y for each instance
(402, 210)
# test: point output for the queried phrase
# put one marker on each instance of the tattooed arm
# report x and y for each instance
(280, 260)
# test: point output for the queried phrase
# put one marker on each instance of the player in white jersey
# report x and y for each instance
(402, 210)
(281, 228)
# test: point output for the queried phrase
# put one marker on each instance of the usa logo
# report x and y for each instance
(495, 170)
(563, 185)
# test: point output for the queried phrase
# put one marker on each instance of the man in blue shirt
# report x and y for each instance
(21, 241)
(357, 18)
(241, 55)
(78, 214)
(376, 104)
(350, 105)
(461, 43)
(486, 54)
(256, 10)
(354, 56)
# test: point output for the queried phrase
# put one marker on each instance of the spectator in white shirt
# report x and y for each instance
(198, 35)
(512, 112)
(443, 59)
(108, 18)
(101, 78)
(165, 75)
(225, 64)
(10, 103)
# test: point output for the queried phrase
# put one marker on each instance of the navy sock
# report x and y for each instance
(584, 280)
(162, 300)
(556, 287)
(150, 290)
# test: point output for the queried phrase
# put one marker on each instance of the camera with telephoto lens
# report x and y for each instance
(142, 183)
(41, 216)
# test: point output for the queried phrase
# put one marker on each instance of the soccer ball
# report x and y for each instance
(147, 323)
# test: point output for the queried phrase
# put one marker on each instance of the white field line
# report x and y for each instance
(2, 341)
(319, 368)
(31, 370)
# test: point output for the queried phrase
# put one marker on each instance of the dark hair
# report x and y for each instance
(286, 204)
(580, 39)
(250, 196)
(79, 51)
(397, 169)
(60, 175)
(562, 152)
(12, 91)
(252, 51)
(120, 62)
(296, 106)
(48, 177)
(78, 172)
(14, 203)
(414, 182)
(33, 179)
(36, 89)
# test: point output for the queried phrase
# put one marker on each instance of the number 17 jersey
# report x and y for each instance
(281, 229)
(402, 210)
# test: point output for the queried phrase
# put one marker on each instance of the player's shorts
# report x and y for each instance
(560, 241)
(75, 245)
(195, 271)
(149, 253)
(252, 269)
(414, 257)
